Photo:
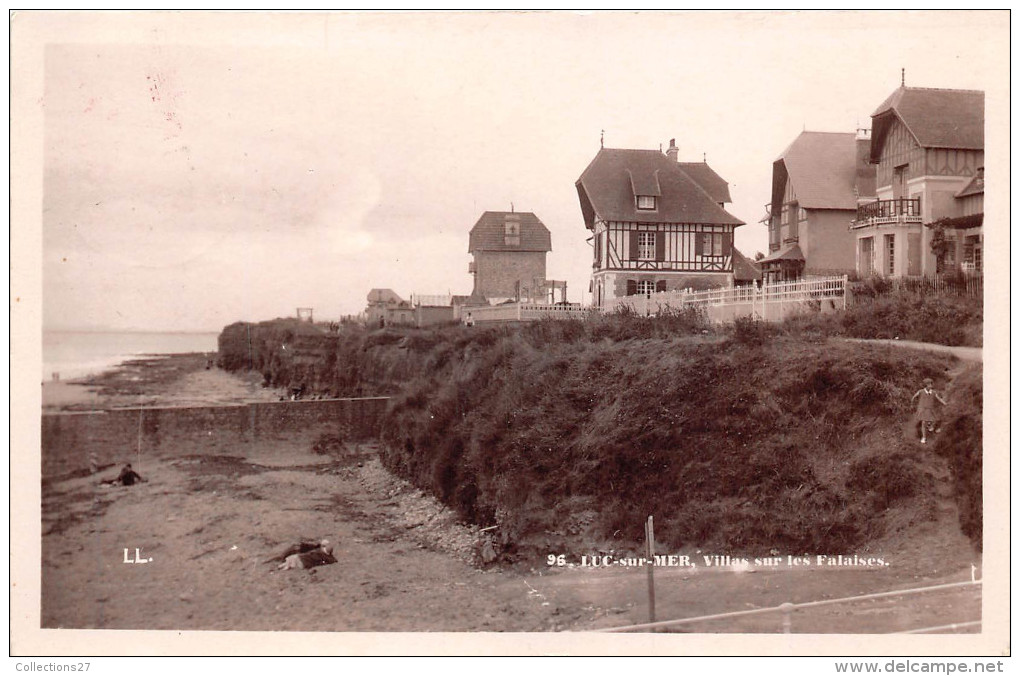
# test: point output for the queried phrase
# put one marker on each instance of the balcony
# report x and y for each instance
(885, 212)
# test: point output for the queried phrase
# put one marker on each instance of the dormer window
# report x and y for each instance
(512, 233)
(646, 202)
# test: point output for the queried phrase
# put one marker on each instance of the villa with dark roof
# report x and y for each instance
(817, 184)
(509, 250)
(386, 308)
(657, 224)
(928, 145)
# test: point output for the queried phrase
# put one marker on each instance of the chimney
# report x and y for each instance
(672, 152)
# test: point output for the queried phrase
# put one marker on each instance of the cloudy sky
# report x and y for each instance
(199, 170)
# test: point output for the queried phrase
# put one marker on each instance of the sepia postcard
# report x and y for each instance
(509, 333)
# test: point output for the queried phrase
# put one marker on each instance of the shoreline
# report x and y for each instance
(174, 379)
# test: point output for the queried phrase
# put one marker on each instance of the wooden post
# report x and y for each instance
(846, 280)
(650, 566)
(138, 453)
(787, 609)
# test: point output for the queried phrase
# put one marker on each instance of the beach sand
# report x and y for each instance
(211, 513)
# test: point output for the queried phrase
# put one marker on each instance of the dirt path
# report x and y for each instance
(965, 353)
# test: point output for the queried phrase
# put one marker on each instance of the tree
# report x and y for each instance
(758, 256)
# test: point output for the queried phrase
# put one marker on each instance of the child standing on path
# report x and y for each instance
(926, 408)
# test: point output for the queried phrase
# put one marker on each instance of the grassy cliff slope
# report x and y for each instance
(570, 433)
(782, 443)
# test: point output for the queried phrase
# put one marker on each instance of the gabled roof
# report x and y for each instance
(937, 118)
(489, 233)
(384, 296)
(791, 252)
(744, 269)
(975, 186)
(826, 169)
(605, 190)
(711, 182)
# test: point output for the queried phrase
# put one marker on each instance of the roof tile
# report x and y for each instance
(711, 182)
(938, 118)
(605, 190)
(489, 233)
(826, 170)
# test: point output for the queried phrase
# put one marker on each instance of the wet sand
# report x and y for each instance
(170, 380)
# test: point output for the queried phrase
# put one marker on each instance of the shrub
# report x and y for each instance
(750, 331)
(886, 478)
(915, 316)
(961, 443)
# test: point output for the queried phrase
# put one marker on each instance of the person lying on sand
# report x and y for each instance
(317, 557)
(127, 477)
(298, 548)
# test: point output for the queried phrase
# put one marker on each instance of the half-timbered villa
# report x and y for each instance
(509, 250)
(817, 184)
(928, 145)
(654, 227)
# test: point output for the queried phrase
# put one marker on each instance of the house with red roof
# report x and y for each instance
(509, 250)
(656, 224)
(818, 182)
(928, 148)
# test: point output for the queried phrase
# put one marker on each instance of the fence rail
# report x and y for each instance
(787, 609)
(961, 285)
(768, 302)
(523, 312)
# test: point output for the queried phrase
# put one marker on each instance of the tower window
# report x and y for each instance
(512, 233)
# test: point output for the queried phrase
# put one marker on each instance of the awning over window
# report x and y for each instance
(790, 252)
(964, 222)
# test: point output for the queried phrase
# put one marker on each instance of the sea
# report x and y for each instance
(76, 354)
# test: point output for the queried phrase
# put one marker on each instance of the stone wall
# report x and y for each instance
(116, 435)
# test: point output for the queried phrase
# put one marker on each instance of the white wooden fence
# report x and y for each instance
(768, 302)
(522, 312)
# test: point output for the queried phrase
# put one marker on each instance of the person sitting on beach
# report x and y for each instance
(926, 408)
(127, 477)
